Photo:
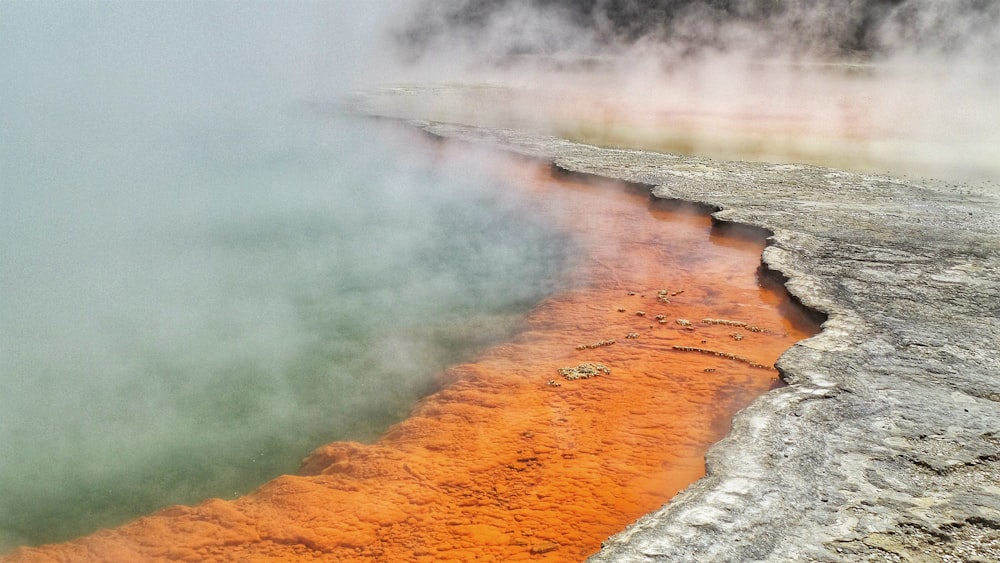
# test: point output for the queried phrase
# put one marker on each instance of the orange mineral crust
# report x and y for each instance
(598, 411)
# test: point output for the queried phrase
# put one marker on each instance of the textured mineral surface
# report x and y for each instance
(509, 461)
(886, 444)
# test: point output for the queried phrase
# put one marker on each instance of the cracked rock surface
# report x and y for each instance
(886, 444)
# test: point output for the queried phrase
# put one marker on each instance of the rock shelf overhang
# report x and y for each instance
(886, 444)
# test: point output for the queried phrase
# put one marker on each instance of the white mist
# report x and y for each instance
(200, 279)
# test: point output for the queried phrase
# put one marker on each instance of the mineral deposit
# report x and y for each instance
(886, 444)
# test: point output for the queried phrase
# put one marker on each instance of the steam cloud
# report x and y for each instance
(201, 279)
(170, 240)
(905, 86)
(829, 28)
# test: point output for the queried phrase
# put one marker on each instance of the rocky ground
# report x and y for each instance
(886, 444)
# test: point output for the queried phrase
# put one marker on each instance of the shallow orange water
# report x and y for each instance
(510, 461)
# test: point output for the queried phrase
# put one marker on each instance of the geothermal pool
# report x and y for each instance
(511, 459)
(195, 269)
(203, 281)
(172, 334)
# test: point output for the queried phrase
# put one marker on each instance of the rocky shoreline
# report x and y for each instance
(886, 444)
(599, 409)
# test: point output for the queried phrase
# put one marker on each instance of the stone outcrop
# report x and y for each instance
(886, 444)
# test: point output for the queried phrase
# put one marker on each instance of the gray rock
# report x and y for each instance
(886, 444)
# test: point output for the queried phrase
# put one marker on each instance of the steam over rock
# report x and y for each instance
(804, 27)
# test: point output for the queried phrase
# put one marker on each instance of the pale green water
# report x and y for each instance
(201, 281)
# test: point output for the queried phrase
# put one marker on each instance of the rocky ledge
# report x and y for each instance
(885, 446)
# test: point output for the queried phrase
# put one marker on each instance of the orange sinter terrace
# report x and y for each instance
(600, 409)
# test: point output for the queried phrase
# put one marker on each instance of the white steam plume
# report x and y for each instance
(906, 86)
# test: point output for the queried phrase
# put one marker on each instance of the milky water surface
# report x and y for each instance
(200, 279)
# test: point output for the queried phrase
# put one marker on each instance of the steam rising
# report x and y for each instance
(903, 86)
(760, 28)
(201, 280)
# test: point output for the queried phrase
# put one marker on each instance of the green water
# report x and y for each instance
(200, 280)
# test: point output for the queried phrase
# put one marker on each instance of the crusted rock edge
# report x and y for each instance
(886, 444)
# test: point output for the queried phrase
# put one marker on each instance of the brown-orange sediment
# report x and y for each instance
(510, 461)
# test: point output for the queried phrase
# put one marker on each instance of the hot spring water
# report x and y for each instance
(201, 281)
